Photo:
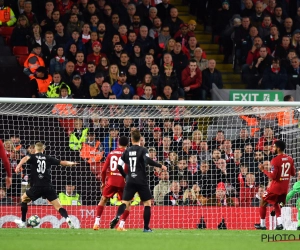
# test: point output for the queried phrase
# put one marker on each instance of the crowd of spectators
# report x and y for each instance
(129, 44)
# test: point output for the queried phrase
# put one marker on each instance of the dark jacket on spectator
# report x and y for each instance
(272, 80)
(209, 78)
(19, 36)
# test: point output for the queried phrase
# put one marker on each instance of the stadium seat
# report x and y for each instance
(5, 51)
(20, 50)
(6, 31)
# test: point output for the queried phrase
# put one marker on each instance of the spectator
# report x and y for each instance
(278, 17)
(21, 32)
(163, 9)
(51, 19)
(124, 62)
(201, 62)
(89, 77)
(183, 34)
(272, 41)
(243, 139)
(117, 86)
(189, 197)
(161, 40)
(7, 16)
(191, 79)
(75, 39)
(68, 74)
(32, 18)
(283, 49)
(111, 140)
(59, 62)
(92, 149)
(80, 66)
(60, 37)
(293, 72)
(219, 198)
(132, 78)
(70, 196)
(249, 9)
(257, 18)
(49, 48)
(96, 56)
(267, 139)
(175, 196)
(34, 60)
(86, 36)
(78, 136)
(155, 29)
(258, 197)
(161, 189)
(147, 81)
(90, 11)
(287, 28)
(95, 88)
(78, 88)
(223, 18)
(248, 190)
(131, 42)
(209, 76)
(275, 77)
(39, 82)
(173, 22)
(64, 6)
(105, 91)
(126, 92)
(55, 86)
(168, 79)
(264, 29)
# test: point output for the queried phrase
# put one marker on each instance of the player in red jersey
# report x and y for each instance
(112, 182)
(6, 163)
(281, 169)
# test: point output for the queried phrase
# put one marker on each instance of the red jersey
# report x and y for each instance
(114, 177)
(5, 159)
(81, 69)
(282, 168)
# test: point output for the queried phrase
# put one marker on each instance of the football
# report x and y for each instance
(34, 221)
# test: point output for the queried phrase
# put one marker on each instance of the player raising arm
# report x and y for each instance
(282, 168)
(41, 186)
(112, 182)
(137, 158)
(296, 189)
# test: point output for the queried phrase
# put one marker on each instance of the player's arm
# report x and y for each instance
(267, 165)
(104, 169)
(149, 161)
(290, 195)
(23, 161)
(6, 164)
(68, 163)
(120, 167)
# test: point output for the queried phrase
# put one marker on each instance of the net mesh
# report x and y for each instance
(212, 154)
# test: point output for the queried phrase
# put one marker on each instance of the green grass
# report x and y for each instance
(87, 239)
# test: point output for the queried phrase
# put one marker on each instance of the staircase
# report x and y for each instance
(231, 80)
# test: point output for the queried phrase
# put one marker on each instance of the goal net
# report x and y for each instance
(212, 151)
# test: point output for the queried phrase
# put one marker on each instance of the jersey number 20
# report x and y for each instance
(41, 166)
(285, 169)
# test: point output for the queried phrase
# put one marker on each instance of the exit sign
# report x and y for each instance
(255, 96)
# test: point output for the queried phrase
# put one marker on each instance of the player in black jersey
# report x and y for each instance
(41, 186)
(137, 158)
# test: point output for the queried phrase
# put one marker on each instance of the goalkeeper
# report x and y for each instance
(296, 189)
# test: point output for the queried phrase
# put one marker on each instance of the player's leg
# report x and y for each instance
(129, 192)
(124, 215)
(99, 211)
(281, 200)
(63, 212)
(146, 196)
(147, 216)
(24, 208)
(298, 209)
(262, 213)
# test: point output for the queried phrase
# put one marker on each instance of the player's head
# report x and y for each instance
(135, 136)
(39, 147)
(123, 141)
(279, 146)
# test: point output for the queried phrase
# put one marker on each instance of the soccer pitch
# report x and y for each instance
(135, 239)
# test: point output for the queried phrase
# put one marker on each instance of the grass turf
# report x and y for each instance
(134, 239)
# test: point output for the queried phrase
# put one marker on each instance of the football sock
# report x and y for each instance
(122, 222)
(24, 209)
(279, 221)
(63, 212)
(262, 222)
(99, 210)
(262, 212)
(277, 210)
(147, 216)
(97, 220)
(124, 215)
(121, 210)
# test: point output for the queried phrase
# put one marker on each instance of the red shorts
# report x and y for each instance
(272, 198)
(109, 191)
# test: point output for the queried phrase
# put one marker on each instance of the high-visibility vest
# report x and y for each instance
(64, 109)
(33, 62)
(43, 83)
(90, 153)
(53, 90)
(76, 143)
(286, 118)
(5, 14)
(69, 200)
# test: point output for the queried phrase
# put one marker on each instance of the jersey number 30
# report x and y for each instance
(41, 166)
(285, 167)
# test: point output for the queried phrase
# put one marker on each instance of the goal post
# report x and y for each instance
(212, 150)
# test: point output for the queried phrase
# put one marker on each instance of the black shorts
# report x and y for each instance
(46, 192)
(131, 188)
